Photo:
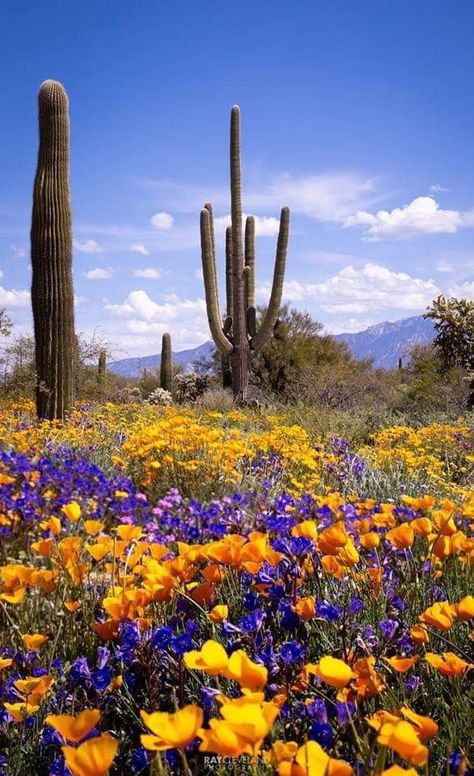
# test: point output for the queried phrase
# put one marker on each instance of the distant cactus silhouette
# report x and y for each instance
(166, 365)
(237, 335)
(51, 258)
(102, 365)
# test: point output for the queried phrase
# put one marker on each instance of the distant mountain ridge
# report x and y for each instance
(386, 342)
(133, 367)
(383, 342)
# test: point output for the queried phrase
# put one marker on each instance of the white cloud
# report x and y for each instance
(422, 215)
(436, 187)
(99, 273)
(88, 246)
(265, 226)
(162, 221)
(324, 196)
(462, 290)
(139, 248)
(152, 273)
(444, 266)
(14, 298)
(371, 289)
(143, 321)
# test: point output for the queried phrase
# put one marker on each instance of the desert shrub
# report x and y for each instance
(298, 347)
(160, 396)
(128, 395)
(216, 398)
(190, 386)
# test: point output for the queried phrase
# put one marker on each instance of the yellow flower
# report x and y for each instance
(440, 615)
(402, 738)
(92, 758)
(211, 658)
(33, 641)
(171, 731)
(246, 722)
(425, 726)
(219, 613)
(465, 608)
(220, 737)
(306, 607)
(20, 711)
(448, 663)
(332, 671)
(401, 537)
(313, 761)
(72, 511)
(74, 728)
(250, 675)
(419, 634)
(402, 664)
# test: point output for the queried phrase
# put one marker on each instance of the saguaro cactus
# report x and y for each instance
(51, 257)
(102, 365)
(166, 366)
(237, 335)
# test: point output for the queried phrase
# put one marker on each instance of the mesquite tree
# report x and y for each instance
(51, 258)
(237, 335)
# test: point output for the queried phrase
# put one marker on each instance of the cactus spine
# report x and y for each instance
(51, 258)
(237, 336)
(166, 366)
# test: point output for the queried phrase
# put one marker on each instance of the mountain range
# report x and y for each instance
(383, 342)
(386, 342)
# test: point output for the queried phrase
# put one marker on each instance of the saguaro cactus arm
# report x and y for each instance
(210, 286)
(250, 261)
(228, 272)
(249, 275)
(274, 304)
(51, 257)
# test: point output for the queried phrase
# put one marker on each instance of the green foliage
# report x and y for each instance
(190, 386)
(454, 324)
(454, 341)
(298, 348)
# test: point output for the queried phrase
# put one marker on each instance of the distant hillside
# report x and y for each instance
(386, 342)
(132, 367)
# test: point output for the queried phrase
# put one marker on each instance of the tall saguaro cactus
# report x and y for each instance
(51, 257)
(166, 366)
(237, 335)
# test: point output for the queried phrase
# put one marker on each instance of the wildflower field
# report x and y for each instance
(188, 592)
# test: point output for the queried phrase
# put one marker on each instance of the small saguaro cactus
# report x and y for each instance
(237, 336)
(51, 258)
(166, 366)
(102, 365)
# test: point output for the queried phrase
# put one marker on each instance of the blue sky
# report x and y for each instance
(359, 115)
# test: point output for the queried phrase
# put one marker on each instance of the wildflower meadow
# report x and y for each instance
(187, 591)
(236, 420)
